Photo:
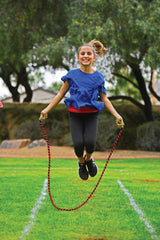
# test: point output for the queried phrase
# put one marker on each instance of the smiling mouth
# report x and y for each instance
(85, 60)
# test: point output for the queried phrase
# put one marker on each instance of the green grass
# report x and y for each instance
(108, 214)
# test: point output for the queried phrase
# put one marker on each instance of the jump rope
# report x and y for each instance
(49, 167)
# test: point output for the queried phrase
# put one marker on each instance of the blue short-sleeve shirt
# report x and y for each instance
(84, 89)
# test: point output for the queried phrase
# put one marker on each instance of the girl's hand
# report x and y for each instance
(43, 115)
(119, 122)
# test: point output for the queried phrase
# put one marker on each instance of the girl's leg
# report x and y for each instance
(77, 129)
(90, 133)
(81, 159)
(90, 142)
(88, 156)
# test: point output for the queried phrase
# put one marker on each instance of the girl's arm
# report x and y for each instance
(55, 100)
(111, 109)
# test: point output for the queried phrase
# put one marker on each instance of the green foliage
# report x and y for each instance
(4, 134)
(148, 136)
(36, 78)
(131, 31)
(49, 52)
(25, 30)
(125, 88)
(28, 129)
(107, 131)
(25, 25)
(55, 86)
(129, 28)
(56, 131)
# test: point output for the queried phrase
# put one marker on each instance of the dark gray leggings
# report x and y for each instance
(83, 130)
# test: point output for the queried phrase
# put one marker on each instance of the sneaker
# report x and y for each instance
(92, 167)
(83, 173)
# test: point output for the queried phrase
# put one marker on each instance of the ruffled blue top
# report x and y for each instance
(84, 89)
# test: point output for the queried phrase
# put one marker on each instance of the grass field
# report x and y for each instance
(125, 205)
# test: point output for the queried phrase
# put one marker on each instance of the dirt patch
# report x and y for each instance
(68, 152)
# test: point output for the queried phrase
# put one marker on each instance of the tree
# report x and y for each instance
(55, 86)
(25, 25)
(131, 30)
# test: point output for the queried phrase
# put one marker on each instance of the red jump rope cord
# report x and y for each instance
(49, 166)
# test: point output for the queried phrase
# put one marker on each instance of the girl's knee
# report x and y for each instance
(90, 147)
(79, 149)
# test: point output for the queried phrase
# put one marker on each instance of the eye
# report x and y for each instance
(82, 53)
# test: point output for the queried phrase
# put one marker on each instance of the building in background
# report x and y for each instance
(40, 95)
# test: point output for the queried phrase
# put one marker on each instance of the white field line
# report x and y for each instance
(35, 210)
(141, 214)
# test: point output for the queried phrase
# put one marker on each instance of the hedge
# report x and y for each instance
(148, 136)
(21, 121)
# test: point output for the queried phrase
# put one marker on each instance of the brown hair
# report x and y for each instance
(97, 47)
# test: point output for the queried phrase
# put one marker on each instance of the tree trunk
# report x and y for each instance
(142, 87)
(13, 90)
(23, 79)
(15, 94)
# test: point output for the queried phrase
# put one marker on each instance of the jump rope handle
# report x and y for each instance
(40, 117)
(121, 122)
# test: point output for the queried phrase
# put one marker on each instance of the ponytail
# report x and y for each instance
(97, 47)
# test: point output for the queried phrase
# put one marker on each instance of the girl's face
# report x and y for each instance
(86, 56)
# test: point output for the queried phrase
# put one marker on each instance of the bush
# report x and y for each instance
(28, 129)
(148, 136)
(13, 116)
(56, 130)
(68, 140)
(107, 131)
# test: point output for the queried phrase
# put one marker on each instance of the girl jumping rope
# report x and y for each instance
(85, 86)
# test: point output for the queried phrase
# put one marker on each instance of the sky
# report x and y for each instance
(48, 77)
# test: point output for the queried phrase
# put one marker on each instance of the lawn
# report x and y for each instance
(125, 205)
